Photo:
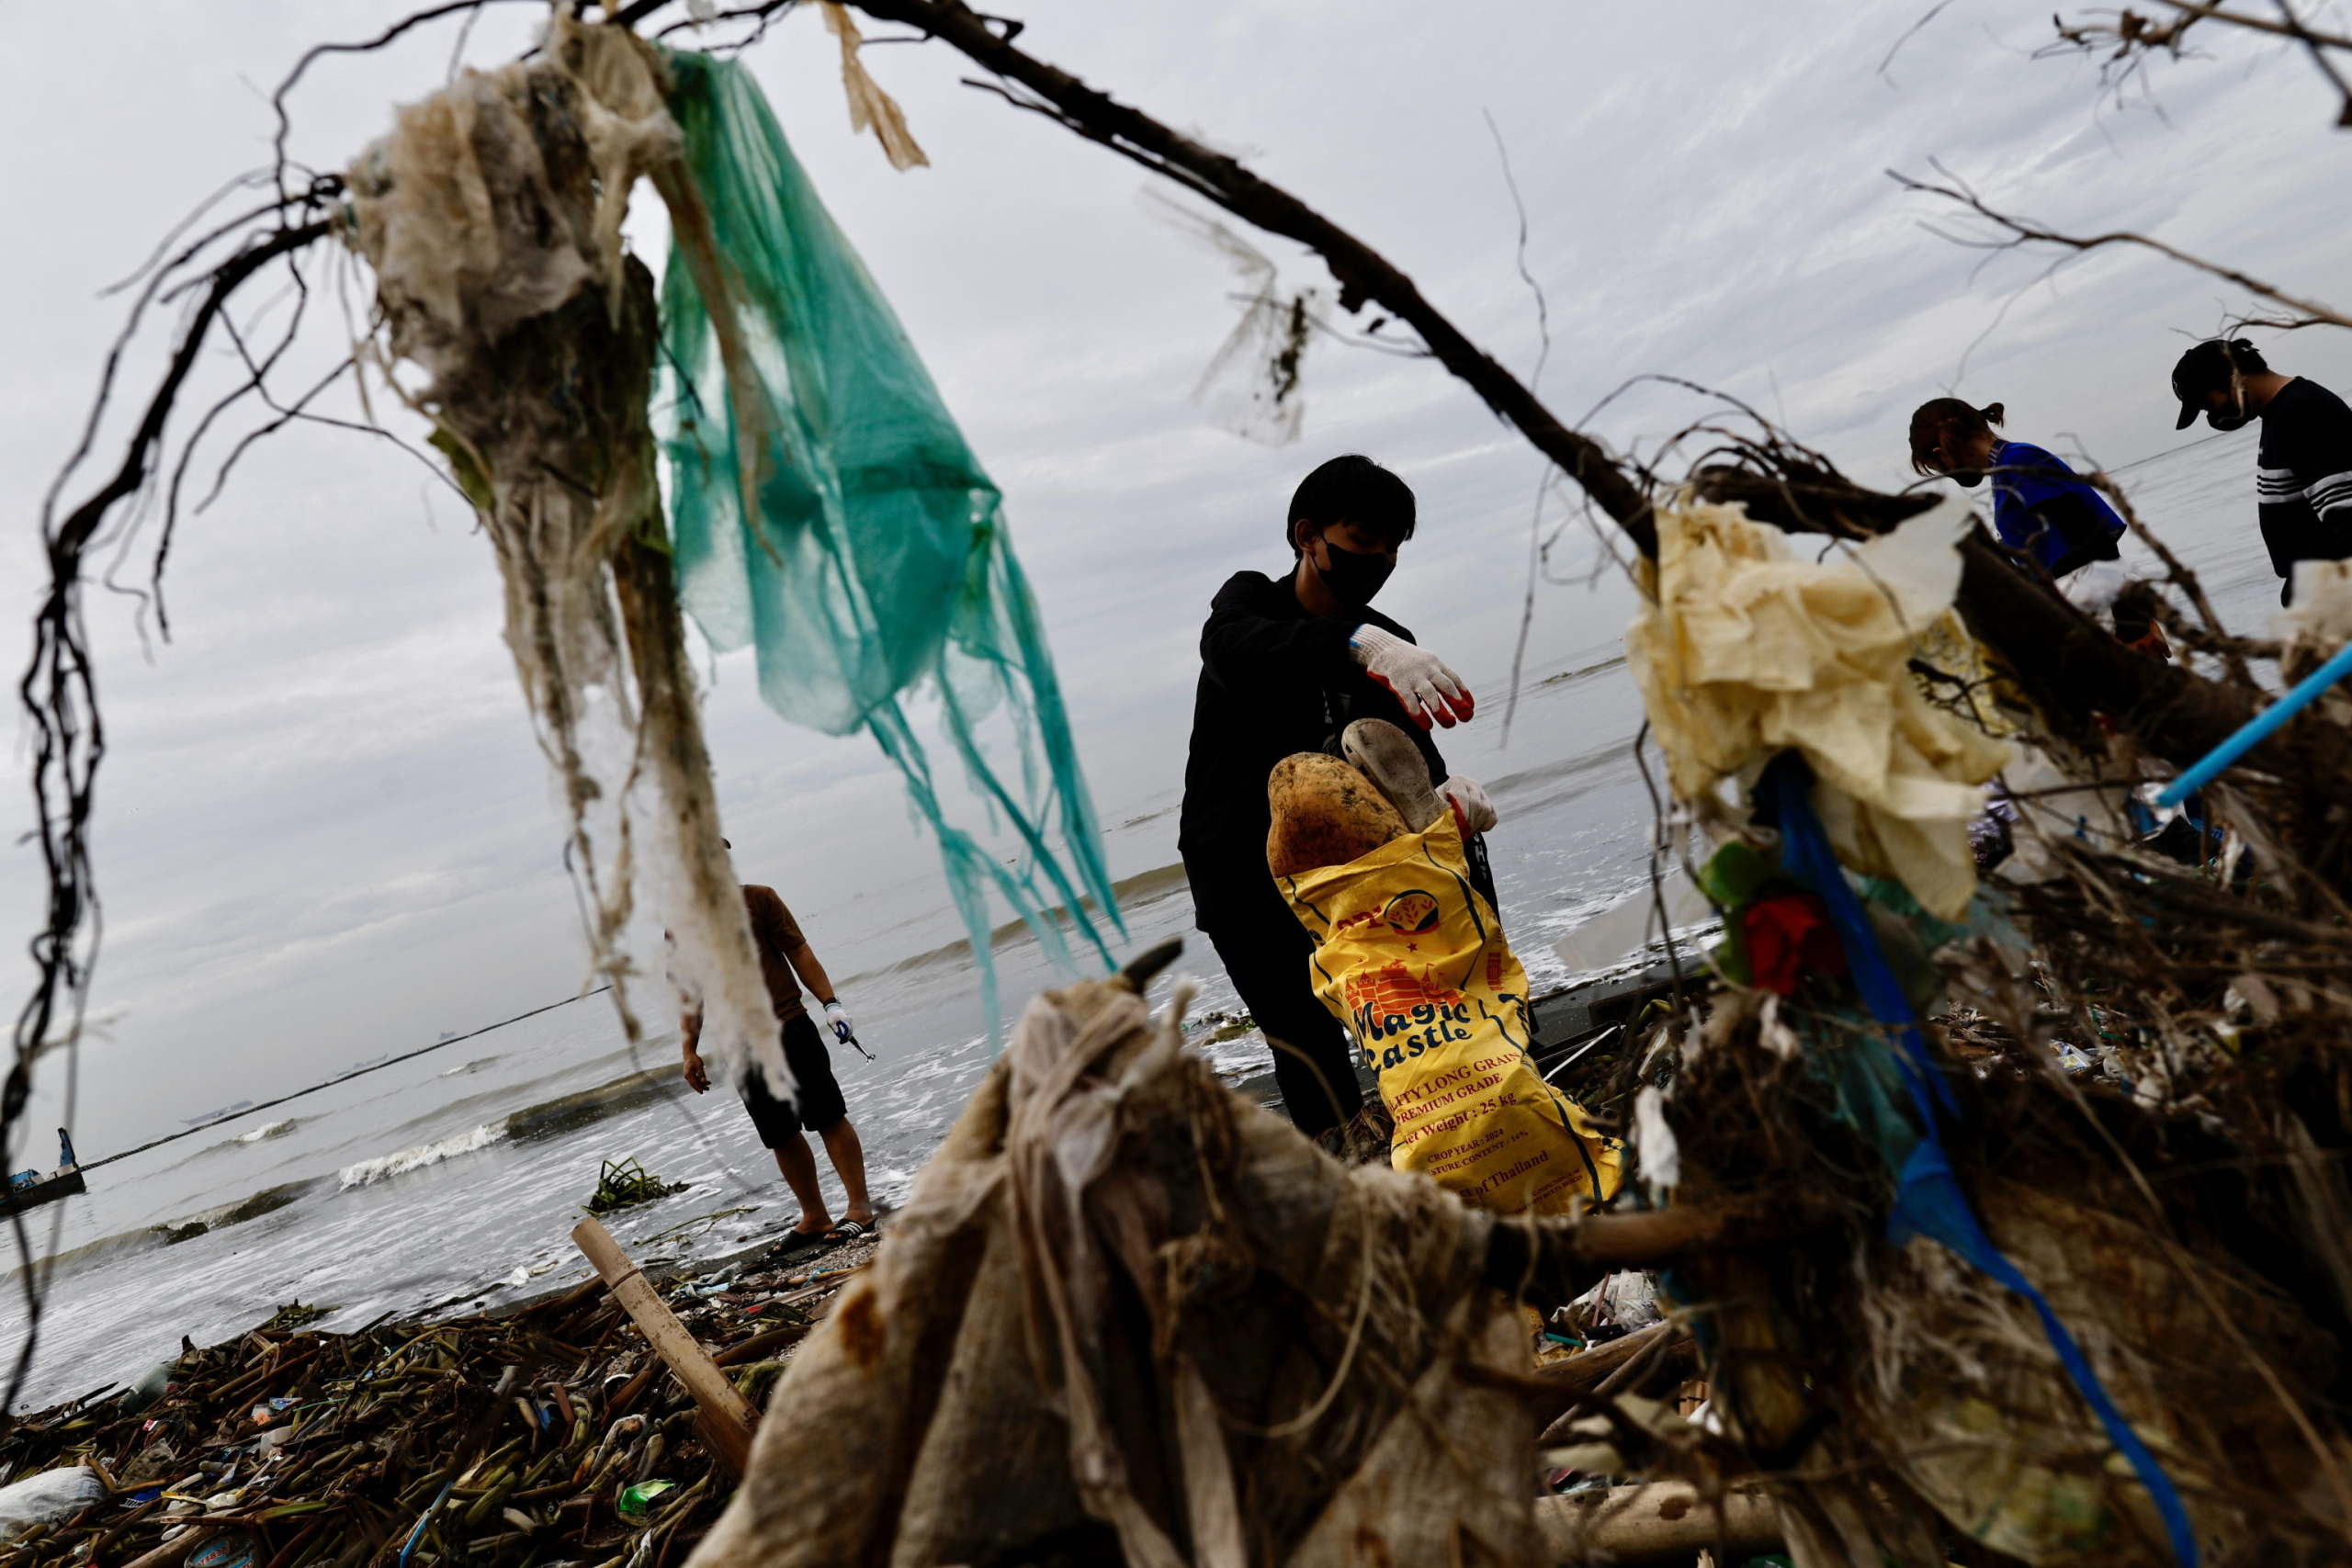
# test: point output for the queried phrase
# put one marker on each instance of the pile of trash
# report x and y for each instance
(1127, 1315)
(550, 1434)
(2073, 1102)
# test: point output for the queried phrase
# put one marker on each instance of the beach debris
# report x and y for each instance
(870, 109)
(46, 1499)
(2088, 1300)
(499, 1441)
(1742, 649)
(1125, 1307)
(294, 1315)
(1324, 813)
(622, 1184)
(1252, 385)
(229, 1548)
(1659, 1522)
(728, 1419)
(635, 1498)
(492, 218)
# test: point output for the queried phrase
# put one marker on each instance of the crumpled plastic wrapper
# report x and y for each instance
(1745, 650)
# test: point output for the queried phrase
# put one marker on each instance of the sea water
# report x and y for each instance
(452, 1181)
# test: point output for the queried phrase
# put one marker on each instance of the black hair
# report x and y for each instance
(1940, 418)
(1352, 489)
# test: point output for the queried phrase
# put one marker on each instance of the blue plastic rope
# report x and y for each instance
(418, 1533)
(1927, 1198)
(2256, 730)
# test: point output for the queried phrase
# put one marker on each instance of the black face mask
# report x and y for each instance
(1354, 577)
(2233, 419)
(1967, 478)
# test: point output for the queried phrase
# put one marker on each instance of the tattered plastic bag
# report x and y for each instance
(1127, 1315)
(1743, 650)
(828, 512)
(52, 1497)
(1414, 962)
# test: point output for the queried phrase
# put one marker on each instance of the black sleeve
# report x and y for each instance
(1242, 646)
(2319, 452)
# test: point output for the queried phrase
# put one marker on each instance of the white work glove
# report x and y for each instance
(1418, 678)
(838, 1016)
(1472, 809)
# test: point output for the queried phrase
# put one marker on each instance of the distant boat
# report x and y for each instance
(27, 1188)
(212, 1116)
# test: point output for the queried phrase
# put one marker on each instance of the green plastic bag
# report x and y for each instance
(635, 1500)
(871, 561)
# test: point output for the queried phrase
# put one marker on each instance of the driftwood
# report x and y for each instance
(726, 1420)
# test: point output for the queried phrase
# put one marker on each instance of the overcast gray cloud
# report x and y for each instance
(324, 830)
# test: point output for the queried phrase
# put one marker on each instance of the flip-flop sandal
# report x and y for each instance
(848, 1231)
(797, 1242)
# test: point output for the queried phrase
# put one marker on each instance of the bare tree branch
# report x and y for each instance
(60, 694)
(2130, 39)
(1362, 272)
(2022, 232)
(2292, 26)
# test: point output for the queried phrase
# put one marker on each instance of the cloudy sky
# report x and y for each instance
(324, 830)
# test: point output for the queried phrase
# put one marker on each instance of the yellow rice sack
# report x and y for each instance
(1412, 960)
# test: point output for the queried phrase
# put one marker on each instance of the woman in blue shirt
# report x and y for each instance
(2039, 508)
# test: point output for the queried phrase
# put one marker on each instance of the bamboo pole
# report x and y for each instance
(728, 1418)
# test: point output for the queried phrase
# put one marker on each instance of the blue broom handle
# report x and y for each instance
(2258, 728)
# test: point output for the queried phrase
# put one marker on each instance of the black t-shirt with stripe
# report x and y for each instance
(2304, 475)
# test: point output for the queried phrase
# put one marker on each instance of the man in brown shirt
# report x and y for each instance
(787, 963)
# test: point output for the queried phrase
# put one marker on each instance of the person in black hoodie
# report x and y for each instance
(2303, 469)
(1287, 663)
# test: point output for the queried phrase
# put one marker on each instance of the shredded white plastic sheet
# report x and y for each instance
(491, 217)
(871, 108)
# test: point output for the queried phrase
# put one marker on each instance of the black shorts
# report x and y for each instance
(820, 1108)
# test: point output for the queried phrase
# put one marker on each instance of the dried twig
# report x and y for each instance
(69, 740)
(2023, 232)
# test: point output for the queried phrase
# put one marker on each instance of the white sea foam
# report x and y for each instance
(267, 1130)
(417, 1158)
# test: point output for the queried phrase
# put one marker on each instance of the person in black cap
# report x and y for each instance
(2303, 469)
(1287, 664)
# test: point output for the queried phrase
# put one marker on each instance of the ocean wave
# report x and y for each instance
(268, 1201)
(1133, 894)
(570, 1112)
(90, 1251)
(265, 1131)
(369, 1171)
(476, 1065)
